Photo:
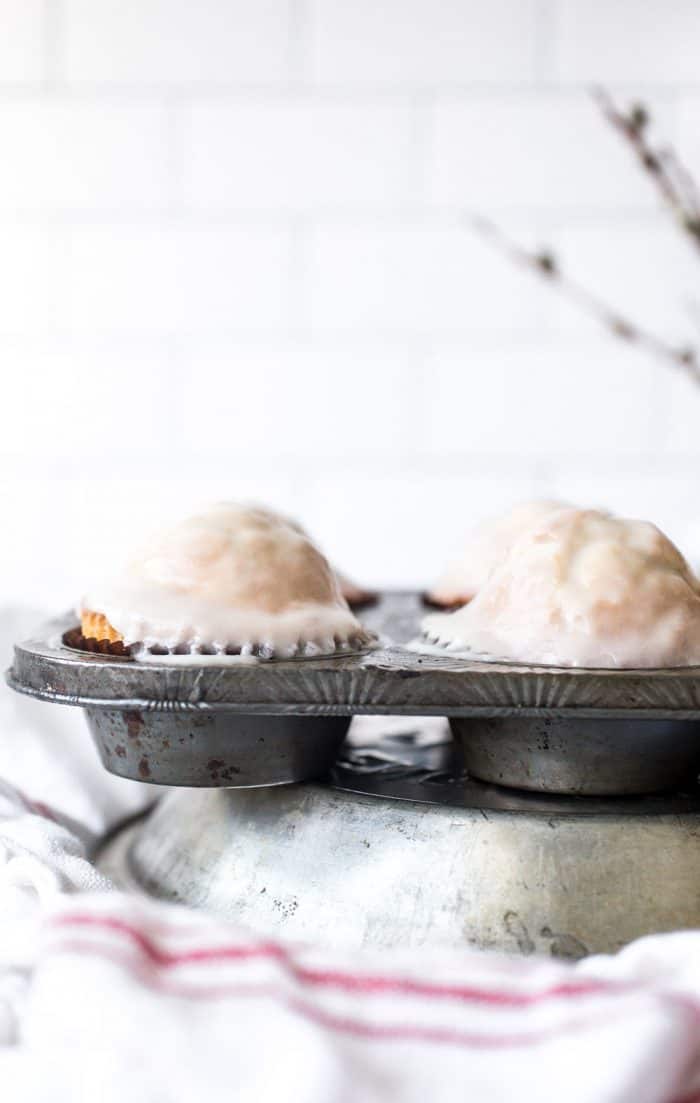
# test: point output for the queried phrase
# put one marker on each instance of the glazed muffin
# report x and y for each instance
(582, 589)
(237, 579)
(484, 549)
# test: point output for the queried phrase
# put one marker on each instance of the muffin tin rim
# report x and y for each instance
(384, 680)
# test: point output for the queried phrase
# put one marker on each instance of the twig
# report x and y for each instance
(685, 182)
(672, 179)
(545, 265)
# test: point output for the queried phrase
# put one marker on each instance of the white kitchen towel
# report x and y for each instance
(104, 996)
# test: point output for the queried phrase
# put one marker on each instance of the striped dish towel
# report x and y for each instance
(113, 998)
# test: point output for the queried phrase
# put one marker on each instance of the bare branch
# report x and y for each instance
(545, 265)
(671, 178)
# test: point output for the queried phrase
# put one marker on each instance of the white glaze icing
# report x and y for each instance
(143, 656)
(485, 547)
(235, 576)
(584, 589)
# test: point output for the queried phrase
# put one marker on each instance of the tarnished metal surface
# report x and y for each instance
(215, 749)
(351, 869)
(565, 754)
(388, 680)
(414, 768)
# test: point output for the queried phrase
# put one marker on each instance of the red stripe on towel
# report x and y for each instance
(363, 984)
(370, 1031)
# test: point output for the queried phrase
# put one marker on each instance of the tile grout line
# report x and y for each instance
(298, 43)
(545, 27)
(174, 158)
(53, 20)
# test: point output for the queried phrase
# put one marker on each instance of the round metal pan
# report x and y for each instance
(397, 849)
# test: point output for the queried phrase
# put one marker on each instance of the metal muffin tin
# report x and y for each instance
(199, 725)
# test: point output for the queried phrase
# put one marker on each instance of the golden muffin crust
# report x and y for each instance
(95, 626)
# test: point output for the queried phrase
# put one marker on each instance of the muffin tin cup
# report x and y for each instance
(579, 756)
(216, 750)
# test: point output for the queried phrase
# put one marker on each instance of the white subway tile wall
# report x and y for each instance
(22, 41)
(421, 42)
(627, 40)
(237, 259)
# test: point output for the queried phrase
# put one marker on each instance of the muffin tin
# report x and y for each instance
(195, 724)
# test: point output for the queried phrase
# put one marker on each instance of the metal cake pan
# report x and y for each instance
(167, 702)
(397, 847)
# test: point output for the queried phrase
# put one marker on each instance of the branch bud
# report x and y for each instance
(638, 117)
(546, 262)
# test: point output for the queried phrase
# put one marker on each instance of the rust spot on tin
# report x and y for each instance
(120, 750)
(286, 907)
(220, 771)
(515, 927)
(134, 723)
(229, 773)
(144, 768)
